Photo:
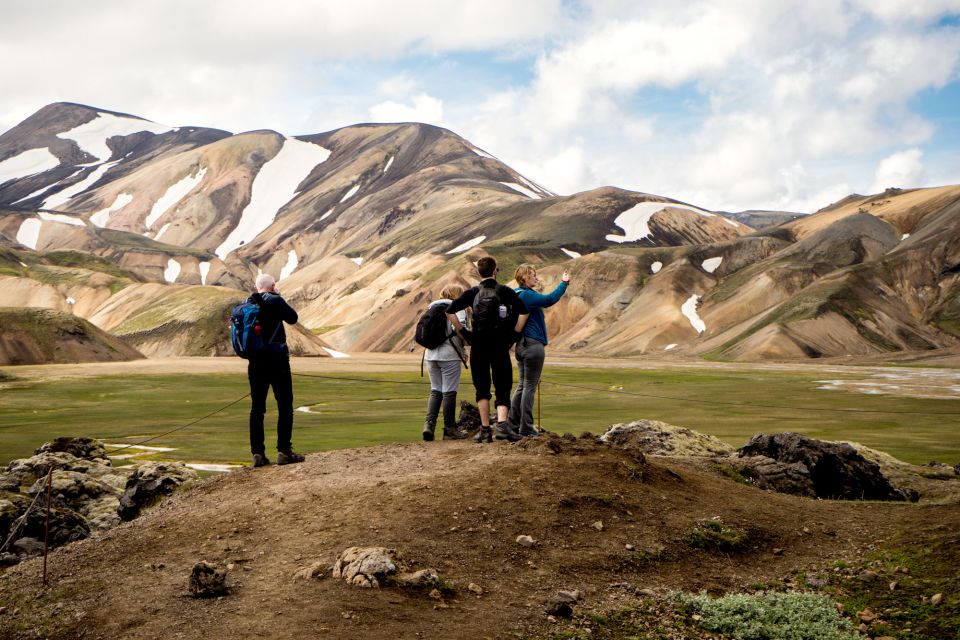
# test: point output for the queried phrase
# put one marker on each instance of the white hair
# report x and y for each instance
(265, 282)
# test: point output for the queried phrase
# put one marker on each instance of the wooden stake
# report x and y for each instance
(46, 525)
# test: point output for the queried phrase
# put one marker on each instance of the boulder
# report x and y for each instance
(771, 475)
(150, 482)
(366, 566)
(662, 439)
(836, 470)
(207, 580)
(469, 419)
(86, 448)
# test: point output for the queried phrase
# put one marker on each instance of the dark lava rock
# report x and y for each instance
(150, 482)
(207, 580)
(836, 470)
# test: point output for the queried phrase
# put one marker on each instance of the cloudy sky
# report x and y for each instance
(727, 104)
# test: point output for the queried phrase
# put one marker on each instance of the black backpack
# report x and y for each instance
(431, 329)
(488, 317)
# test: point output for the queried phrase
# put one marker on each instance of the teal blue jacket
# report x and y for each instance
(536, 327)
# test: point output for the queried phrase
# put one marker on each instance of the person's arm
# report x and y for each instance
(460, 304)
(279, 306)
(533, 299)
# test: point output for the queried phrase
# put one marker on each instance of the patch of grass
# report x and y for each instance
(86, 261)
(382, 408)
(319, 331)
(713, 535)
(920, 571)
(732, 473)
(769, 616)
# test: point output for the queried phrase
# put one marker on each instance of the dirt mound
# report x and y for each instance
(606, 522)
(41, 336)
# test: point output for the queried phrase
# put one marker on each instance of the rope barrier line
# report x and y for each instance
(23, 518)
(189, 424)
(752, 406)
(314, 375)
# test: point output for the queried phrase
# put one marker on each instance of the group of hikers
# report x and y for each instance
(490, 318)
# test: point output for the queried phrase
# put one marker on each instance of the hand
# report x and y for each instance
(566, 276)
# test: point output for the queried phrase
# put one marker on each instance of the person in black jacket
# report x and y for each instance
(272, 369)
(498, 319)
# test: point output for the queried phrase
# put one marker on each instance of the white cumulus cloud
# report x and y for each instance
(902, 169)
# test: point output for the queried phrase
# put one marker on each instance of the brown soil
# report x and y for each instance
(457, 507)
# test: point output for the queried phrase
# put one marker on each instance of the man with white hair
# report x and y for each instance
(272, 369)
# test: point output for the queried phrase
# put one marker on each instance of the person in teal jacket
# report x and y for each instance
(530, 348)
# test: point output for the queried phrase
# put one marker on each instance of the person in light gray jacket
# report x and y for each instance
(443, 366)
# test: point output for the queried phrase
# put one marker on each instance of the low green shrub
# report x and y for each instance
(793, 615)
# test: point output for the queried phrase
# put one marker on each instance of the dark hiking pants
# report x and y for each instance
(530, 355)
(491, 360)
(263, 374)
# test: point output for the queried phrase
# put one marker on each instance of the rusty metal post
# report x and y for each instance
(46, 525)
(539, 422)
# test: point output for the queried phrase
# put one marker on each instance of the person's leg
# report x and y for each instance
(480, 373)
(450, 383)
(530, 379)
(435, 372)
(502, 373)
(515, 417)
(282, 383)
(259, 386)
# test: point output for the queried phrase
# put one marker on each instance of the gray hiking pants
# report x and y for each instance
(530, 355)
(444, 375)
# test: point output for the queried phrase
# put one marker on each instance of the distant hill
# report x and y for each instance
(365, 224)
(42, 336)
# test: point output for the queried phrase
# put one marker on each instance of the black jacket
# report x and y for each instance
(274, 311)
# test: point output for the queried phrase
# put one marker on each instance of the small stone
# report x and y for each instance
(315, 570)
(936, 599)
(598, 525)
(806, 530)
(629, 547)
(475, 588)
(551, 619)
(894, 585)
(569, 596)
(646, 593)
(436, 595)
(3, 610)
(778, 551)
(346, 615)
(866, 616)
(869, 576)
(207, 579)
(525, 541)
(442, 605)
(696, 617)
(863, 629)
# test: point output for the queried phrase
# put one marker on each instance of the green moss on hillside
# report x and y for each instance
(123, 241)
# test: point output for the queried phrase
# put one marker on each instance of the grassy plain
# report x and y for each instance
(350, 409)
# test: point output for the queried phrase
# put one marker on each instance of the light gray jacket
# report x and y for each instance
(446, 351)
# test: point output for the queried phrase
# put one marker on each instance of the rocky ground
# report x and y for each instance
(615, 529)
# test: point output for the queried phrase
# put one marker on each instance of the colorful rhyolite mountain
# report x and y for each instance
(145, 229)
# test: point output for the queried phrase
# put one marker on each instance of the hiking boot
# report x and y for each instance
(505, 431)
(484, 435)
(529, 433)
(427, 435)
(260, 460)
(454, 434)
(289, 457)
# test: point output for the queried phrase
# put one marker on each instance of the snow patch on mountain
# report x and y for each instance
(275, 185)
(351, 193)
(327, 213)
(357, 261)
(572, 254)
(469, 244)
(172, 271)
(163, 230)
(92, 136)
(670, 346)
(292, 263)
(482, 153)
(904, 237)
(522, 189)
(689, 309)
(710, 264)
(401, 260)
(29, 232)
(174, 194)
(336, 354)
(204, 272)
(100, 217)
(389, 162)
(635, 221)
(27, 163)
(535, 186)
(656, 266)
(64, 196)
(57, 217)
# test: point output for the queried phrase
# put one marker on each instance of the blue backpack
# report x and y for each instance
(245, 330)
